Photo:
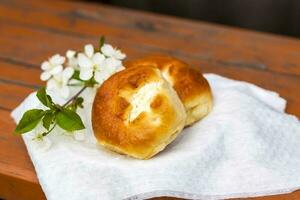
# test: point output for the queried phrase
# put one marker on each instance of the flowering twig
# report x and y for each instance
(86, 69)
(75, 96)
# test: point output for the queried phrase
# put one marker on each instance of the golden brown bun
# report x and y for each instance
(192, 88)
(137, 112)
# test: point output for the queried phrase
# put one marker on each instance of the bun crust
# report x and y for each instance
(190, 85)
(137, 112)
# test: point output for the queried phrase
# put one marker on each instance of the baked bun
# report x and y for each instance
(191, 87)
(137, 112)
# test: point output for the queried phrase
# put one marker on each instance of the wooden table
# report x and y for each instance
(32, 30)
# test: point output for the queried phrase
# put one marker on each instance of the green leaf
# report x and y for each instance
(101, 42)
(44, 98)
(48, 120)
(49, 99)
(29, 120)
(69, 120)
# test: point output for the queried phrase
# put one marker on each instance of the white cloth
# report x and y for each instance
(247, 146)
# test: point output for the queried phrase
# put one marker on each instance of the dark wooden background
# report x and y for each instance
(276, 16)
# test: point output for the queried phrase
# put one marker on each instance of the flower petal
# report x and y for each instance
(89, 50)
(98, 58)
(57, 60)
(68, 72)
(72, 62)
(58, 77)
(84, 61)
(76, 82)
(45, 76)
(52, 84)
(111, 64)
(101, 76)
(56, 69)
(45, 65)
(70, 54)
(86, 73)
(64, 91)
(119, 55)
(107, 50)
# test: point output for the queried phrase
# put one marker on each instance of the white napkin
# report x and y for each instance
(247, 146)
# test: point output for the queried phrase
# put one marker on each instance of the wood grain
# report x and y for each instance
(33, 30)
(17, 177)
(88, 20)
(282, 82)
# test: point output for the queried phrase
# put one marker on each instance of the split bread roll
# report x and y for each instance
(191, 87)
(137, 112)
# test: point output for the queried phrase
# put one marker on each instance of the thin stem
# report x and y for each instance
(75, 84)
(75, 96)
(46, 133)
(69, 101)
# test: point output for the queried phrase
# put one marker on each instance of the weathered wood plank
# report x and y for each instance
(20, 75)
(283, 83)
(29, 51)
(229, 46)
(17, 177)
(11, 95)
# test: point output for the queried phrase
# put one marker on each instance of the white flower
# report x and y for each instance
(59, 82)
(72, 60)
(40, 142)
(88, 61)
(111, 52)
(52, 67)
(95, 64)
(109, 67)
(91, 64)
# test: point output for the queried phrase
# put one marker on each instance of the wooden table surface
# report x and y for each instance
(33, 30)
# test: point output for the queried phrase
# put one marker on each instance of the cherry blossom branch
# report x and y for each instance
(75, 96)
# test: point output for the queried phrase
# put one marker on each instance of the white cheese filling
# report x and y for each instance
(142, 99)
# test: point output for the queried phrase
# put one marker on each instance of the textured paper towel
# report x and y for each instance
(247, 146)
